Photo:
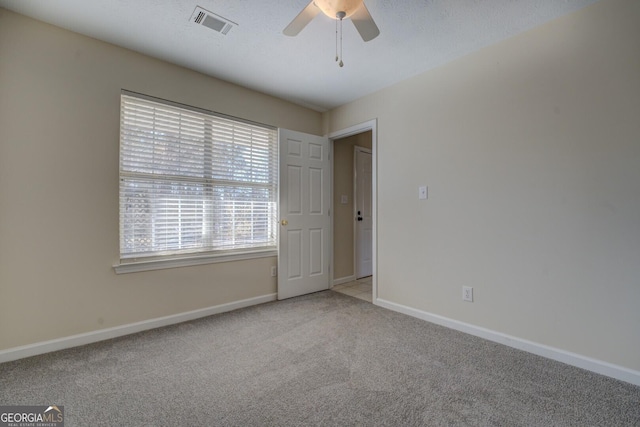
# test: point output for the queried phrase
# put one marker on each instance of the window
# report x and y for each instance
(193, 182)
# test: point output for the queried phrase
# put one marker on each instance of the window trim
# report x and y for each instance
(190, 260)
(133, 265)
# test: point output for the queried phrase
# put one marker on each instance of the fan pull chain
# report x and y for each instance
(337, 40)
(341, 63)
(340, 16)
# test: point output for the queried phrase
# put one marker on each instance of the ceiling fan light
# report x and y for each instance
(332, 7)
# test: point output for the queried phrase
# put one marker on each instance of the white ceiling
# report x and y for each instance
(415, 36)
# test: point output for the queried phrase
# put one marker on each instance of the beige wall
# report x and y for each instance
(531, 151)
(343, 220)
(59, 127)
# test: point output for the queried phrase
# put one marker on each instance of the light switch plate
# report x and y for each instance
(423, 193)
(344, 199)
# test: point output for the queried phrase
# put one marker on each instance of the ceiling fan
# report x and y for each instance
(338, 10)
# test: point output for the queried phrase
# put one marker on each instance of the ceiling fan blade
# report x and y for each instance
(301, 21)
(364, 23)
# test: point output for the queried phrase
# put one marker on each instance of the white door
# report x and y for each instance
(363, 217)
(303, 250)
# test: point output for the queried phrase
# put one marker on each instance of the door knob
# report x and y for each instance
(284, 222)
(359, 218)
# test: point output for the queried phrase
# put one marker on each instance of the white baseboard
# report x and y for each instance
(342, 280)
(118, 331)
(574, 359)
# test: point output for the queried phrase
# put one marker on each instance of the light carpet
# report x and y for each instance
(321, 359)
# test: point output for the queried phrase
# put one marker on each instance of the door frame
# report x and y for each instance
(370, 125)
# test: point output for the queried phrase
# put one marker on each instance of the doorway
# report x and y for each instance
(350, 274)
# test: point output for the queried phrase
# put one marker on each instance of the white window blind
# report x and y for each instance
(192, 181)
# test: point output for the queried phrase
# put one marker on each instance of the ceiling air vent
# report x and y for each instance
(210, 20)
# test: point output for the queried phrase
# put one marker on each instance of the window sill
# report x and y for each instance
(160, 264)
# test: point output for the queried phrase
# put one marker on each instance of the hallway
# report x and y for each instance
(360, 288)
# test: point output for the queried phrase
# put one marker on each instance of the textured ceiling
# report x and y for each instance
(416, 35)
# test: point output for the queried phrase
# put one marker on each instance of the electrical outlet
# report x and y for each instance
(467, 293)
(274, 271)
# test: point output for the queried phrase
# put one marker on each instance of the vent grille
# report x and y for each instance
(212, 21)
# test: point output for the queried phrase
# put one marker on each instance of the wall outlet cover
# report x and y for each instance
(467, 293)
